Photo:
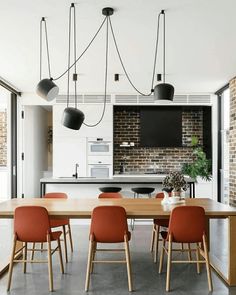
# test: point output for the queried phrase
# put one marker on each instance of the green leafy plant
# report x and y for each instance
(175, 181)
(200, 166)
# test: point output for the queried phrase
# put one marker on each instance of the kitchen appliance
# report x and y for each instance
(100, 167)
(99, 146)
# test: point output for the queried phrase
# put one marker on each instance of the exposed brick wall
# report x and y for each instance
(140, 159)
(3, 138)
(232, 143)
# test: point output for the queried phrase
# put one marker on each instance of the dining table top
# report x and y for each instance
(135, 208)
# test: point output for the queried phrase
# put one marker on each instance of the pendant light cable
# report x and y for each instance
(105, 78)
(68, 72)
(122, 63)
(75, 66)
(164, 46)
(43, 21)
(86, 48)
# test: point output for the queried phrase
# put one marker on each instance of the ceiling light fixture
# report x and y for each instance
(73, 118)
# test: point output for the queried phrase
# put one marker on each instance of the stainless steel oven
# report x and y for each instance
(99, 146)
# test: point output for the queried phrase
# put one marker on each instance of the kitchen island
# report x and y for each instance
(126, 181)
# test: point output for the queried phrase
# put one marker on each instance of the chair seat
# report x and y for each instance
(59, 222)
(55, 235)
(143, 190)
(110, 189)
(161, 222)
(112, 240)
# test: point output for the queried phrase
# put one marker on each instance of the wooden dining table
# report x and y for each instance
(139, 209)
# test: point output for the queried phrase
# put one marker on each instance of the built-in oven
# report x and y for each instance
(100, 167)
(99, 146)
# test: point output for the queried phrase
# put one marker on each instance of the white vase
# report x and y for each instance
(165, 200)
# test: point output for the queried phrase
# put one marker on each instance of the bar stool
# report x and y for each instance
(110, 189)
(140, 191)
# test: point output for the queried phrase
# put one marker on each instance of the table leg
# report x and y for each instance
(231, 251)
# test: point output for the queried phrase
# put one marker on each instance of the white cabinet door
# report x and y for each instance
(67, 152)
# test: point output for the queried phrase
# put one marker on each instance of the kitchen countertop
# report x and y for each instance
(119, 178)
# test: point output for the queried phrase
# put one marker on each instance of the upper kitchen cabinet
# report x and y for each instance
(92, 114)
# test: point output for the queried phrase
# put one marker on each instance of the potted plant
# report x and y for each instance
(175, 182)
(200, 166)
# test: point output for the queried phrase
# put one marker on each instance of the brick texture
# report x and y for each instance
(140, 159)
(3, 138)
(232, 144)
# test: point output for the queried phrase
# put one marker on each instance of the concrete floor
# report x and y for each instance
(112, 279)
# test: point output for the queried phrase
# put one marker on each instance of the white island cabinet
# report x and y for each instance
(70, 146)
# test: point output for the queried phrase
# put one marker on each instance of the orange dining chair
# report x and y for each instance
(108, 225)
(32, 225)
(110, 196)
(187, 225)
(59, 223)
(157, 224)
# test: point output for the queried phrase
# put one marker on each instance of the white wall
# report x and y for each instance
(35, 149)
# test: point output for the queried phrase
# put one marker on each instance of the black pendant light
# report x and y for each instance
(46, 88)
(164, 91)
(72, 118)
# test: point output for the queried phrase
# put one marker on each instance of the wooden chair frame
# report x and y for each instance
(155, 243)
(65, 233)
(25, 250)
(199, 251)
(91, 260)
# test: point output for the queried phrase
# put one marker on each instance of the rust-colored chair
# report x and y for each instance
(110, 196)
(157, 224)
(187, 225)
(32, 225)
(59, 223)
(108, 225)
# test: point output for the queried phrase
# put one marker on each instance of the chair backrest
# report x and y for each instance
(161, 195)
(109, 224)
(31, 223)
(55, 196)
(110, 196)
(187, 224)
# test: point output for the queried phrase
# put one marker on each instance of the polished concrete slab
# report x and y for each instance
(112, 279)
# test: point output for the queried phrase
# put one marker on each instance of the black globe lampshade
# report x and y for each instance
(164, 91)
(47, 89)
(72, 118)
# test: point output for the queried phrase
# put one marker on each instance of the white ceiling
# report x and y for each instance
(200, 35)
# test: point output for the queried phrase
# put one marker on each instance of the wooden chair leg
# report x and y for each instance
(156, 244)
(25, 257)
(162, 256)
(93, 256)
(128, 263)
(41, 246)
(198, 258)
(152, 238)
(169, 263)
(11, 263)
(60, 255)
(50, 274)
(70, 238)
(90, 253)
(65, 242)
(207, 264)
(32, 253)
(182, 246)
(189, 252)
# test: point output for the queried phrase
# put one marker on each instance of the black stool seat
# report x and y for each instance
(110, 189)
(143, 190)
